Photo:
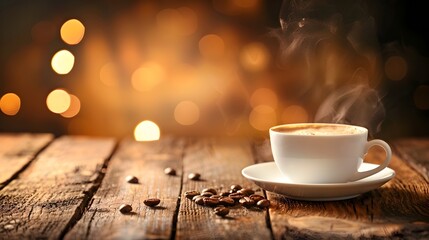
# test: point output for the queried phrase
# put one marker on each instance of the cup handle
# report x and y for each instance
(368, 145)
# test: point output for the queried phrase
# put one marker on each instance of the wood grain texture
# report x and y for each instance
(17, 151)
(398, 210)
(416, 153)
(51, 192)
(220, 163)
(146, 161)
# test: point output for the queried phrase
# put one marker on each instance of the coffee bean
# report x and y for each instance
(256, 197)
(191, 194)
(170, 171)
(224, 194)
(151, 202)
(247, 202)
(235, 187)
(198, 200)
(9, 227)
(236, 196)
(194, 176)
(212, 190)
(221, 211)
(195, 197)
(125, 208)
(264, 203)
(226, 201)
(246, 191)
(206, 194)
(216, 196)
(211, 202)
(132, 179)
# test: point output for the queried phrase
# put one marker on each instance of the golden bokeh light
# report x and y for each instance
(211, 45)
(263, 96)
(262, 117)
(109, 74)
(421, 97)
(58, 101)
(72, 31)
(294, 114)
(62, 62)
(147, 131)
(187, 113)
(10, 104)
(396, 68)
(147, 77)
(254, 57)
(74, 107)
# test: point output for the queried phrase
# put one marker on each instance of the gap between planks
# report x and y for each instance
(45, 197)
(176, 212)
(88, 195)
(17, 152)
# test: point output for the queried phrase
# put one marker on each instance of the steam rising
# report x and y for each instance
(336, 43)
(353, 104)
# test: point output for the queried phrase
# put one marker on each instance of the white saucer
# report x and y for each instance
(268, 177)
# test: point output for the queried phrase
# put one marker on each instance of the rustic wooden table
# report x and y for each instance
(71, 187)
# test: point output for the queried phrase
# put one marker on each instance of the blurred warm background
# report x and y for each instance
(117, 68)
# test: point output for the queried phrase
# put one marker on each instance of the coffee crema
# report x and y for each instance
(319, 130)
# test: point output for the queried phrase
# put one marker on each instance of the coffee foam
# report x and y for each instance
(319, 130)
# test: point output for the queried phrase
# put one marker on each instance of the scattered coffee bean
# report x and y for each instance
(9, 227)
(191, 194)
(246, 191)
(236, 196)
(195, 197)
(264, 203)
(194, 176)
(125, 208)
(224, 194)
(221, 211)
(209, 197)
(226, 201)
(247, 202)
(256, 197)
(170, 171)
(198, 200)
(132, 179)
(235, 188)
(206, 194)
(151, 202)
(212, 190)
(211, 202)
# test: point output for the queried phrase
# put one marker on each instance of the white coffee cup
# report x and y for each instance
(323, 152)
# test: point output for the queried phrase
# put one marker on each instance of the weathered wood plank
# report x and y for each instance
(399, 209)
(146, 161)
(416, 153)
(17, 151)
(220, 163)
(48, 197)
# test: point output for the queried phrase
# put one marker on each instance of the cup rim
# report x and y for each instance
(273, 129)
